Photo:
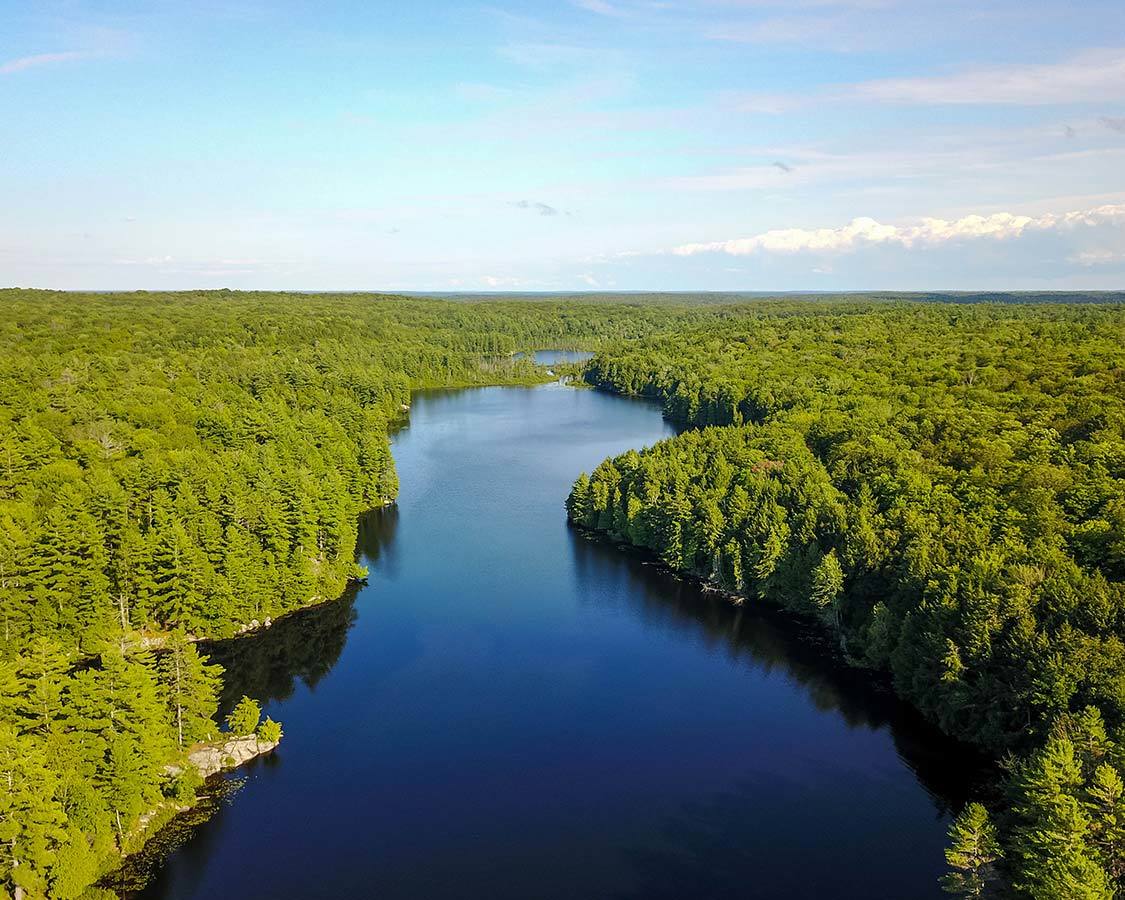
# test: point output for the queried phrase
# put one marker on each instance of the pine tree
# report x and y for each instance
(1052, 840)
(1105, 805)
(828, 586)
(67, 558)
(269, 732)
(192, 688)
(243, 719)
(177, 576)
(32, 821)
(578, 505)
(42, 673)
(972, 852)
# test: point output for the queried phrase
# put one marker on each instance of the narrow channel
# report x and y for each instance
(510, 710)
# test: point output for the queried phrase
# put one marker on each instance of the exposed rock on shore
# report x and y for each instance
(230, 754)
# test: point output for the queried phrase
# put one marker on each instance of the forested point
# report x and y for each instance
(940, 483)
(944, 487)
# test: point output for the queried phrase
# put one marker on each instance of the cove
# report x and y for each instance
(507, 709)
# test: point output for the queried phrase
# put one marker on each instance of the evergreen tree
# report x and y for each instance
(243, 719)
(972, 852)
(32, 821)
(1105, 806)
(192, 688)
(269, 732)
(1052, 839)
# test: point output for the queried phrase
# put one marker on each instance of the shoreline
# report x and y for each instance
(826, 637)
(130, 871)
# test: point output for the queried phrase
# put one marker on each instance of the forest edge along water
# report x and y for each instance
(510, 708)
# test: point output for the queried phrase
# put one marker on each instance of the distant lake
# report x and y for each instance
(508, 709)
(555, 357)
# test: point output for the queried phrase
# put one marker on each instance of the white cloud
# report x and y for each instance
(1097, 257)
(1094, 76)
(501, 281)
(864, 231)
(777, 30)
(40, 59)
(599, 6)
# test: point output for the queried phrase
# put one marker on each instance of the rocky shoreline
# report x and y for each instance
(210, 759)
(147, 844)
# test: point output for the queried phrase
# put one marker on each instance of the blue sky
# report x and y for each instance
(597, 144)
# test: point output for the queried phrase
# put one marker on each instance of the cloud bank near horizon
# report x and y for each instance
(866, 231)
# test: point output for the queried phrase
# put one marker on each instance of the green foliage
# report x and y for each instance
(941, 484)
(973, 850)
(192, 687)
(1052, 837)
(945, 488)
(244, 718)
(269, 732)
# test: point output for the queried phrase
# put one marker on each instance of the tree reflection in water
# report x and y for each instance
(774, 641)
(307, 644)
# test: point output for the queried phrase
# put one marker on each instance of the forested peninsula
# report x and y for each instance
(945, 489)
(940, 483)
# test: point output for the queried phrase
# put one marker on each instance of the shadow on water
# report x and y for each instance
(266, 665)
(709, 845)
(305, 645)
(773, 641)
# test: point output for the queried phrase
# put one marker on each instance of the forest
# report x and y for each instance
(939, 480)
(183, 466)
(944, 487)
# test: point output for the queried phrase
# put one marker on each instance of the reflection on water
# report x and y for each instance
(305, 645)
(776, 642)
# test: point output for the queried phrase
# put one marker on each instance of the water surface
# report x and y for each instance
(510, 710)
(557, 357)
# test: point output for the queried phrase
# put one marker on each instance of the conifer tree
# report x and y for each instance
(43, 678)
(32, 821)
(192, 688)
(243, 719)
(1052, 840)
(1105, 805)
(972, 852)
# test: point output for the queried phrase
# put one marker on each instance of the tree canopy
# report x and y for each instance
(943, 486)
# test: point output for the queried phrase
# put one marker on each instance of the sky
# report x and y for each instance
(587, 145)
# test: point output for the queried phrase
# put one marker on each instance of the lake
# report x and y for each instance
(557, 357)
(508, 709)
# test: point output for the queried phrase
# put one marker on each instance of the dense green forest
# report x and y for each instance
(943, 486)
(175, 466)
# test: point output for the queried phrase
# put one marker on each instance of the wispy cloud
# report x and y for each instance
(502, 281)
(1113, 123)
(1094, 76)
(1091, 258)
(41, 59)
(600, 7)
(776, 30)
(543, 209)
(865, 231)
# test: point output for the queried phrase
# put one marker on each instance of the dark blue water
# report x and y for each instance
(510, 710)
